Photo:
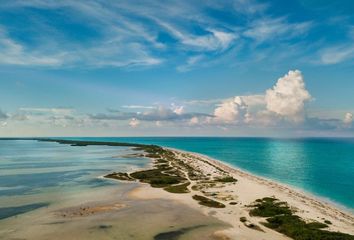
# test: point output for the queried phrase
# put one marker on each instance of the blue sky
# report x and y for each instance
(130, 68)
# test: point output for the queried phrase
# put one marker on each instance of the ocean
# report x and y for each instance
(31, 170)
(323, 167)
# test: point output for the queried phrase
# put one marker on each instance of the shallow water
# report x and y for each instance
(321, 166)
(45, 185)
(34, 173)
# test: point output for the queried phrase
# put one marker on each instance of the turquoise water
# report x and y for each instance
(324, 167)
(36, 174)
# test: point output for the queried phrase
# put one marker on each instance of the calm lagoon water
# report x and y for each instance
(321, 166)
(36, 174)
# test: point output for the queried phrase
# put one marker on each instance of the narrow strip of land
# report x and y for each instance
(255, 208)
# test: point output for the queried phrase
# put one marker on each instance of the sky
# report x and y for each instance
(269, 68)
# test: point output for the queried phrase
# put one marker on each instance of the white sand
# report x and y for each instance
(247, 189)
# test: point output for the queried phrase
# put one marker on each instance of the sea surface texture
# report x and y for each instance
(36, 174)
(321, 166)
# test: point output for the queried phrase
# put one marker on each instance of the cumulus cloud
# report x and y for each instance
(288, 97)
(134, 122)
(178, 109)
(348, 119)
(230, 110)
(194, 121)
(284, 101)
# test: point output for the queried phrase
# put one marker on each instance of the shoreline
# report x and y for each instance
(180, 164)
(236, 197)
(211, 189)
(300, 191)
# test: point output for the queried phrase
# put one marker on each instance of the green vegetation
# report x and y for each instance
(181, 188)
(156, 178)
(87, 143)
(168, 172)
(250, 225)
(243, 219)
(208, 202)
(158, 161)
(281, 219)
(227, 179)
(327, 222)
(120, 176)
(268, 207)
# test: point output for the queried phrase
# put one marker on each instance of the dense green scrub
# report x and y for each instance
(208, 202)
(281, 218)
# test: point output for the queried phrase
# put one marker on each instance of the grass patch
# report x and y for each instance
(281, 219)
(208, 202)
(227, 179)
(156, 178)
(327, 222)
(268, 207)
(161, 161)
(181, 188)
(120, 176)
(243, 219)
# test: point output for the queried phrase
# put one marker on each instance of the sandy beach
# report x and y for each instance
(178, 195)
(246, 190)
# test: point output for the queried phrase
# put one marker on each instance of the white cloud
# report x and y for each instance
(134, 122)
(272, 28)
(178, 109)
(138, 107)
(13, 53)
(131, 33)
(288, 97)
(253, 100)
(348, 119)
(286, 100)
(194, 121)
(334, 55)
(191, 62)
(214, 41)
(230, 110)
